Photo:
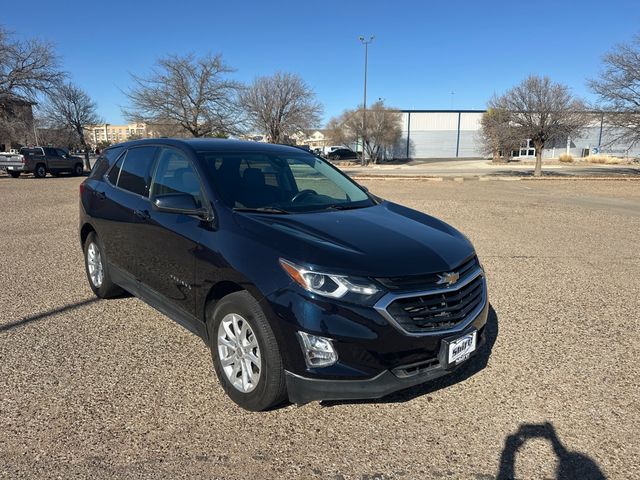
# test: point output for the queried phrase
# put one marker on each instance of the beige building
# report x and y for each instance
(107, 132)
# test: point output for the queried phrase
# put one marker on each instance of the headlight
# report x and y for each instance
(329, 285)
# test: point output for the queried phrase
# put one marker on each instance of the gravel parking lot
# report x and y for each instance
(113, 389)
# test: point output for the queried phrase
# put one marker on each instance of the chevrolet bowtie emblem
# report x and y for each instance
(448, 278)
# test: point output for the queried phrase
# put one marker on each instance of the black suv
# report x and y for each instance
(304, 285)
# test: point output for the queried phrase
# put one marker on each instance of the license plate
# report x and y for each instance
(461, 348)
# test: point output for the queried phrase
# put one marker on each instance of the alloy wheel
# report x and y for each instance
(239, 353)
(94, 265)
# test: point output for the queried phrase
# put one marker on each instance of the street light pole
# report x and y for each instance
(364, 103)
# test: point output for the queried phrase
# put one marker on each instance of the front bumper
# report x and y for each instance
(375, 356)
(303, 390)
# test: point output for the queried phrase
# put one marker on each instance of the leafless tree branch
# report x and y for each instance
(543, 111)
(383, 129)
(618, 88)
(191, 93)
(280, 106)
(69, 107)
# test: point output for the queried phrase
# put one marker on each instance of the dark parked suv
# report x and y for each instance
(304, 285)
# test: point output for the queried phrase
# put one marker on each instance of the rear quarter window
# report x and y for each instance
(136, 170)
(104, 162)
(32, 151)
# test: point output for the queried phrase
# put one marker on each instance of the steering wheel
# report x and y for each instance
(302, 194)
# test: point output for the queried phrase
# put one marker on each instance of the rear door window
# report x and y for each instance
(31, 151)
(136, 170)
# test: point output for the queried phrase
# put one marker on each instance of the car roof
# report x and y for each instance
(213, 144)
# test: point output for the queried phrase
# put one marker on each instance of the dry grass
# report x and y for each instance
(566, 158)
(604, 159)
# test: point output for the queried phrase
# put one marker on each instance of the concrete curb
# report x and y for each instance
(490, 178)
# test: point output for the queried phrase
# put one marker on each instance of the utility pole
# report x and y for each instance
(364, 103)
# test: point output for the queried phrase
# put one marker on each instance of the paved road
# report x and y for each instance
(482, 168)
(113, 389)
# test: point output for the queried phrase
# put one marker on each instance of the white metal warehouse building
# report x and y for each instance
(455, 134)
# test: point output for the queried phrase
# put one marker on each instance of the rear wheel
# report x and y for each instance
(245, 353)
(97, 269)
(78, 169)
(14, 174)
(40, 171)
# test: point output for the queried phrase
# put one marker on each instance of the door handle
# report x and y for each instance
(101, 195)
(142, 214)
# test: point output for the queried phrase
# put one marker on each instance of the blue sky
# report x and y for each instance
(423, 50)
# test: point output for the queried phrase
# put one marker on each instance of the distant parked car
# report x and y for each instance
(40, 161)
(342, 154)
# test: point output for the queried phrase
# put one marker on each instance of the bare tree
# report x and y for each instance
(499, 137)
(192, 93)
(27, 67)
(619, 90)
(543, 111)
(384, 129)
(71, 108)
(280, 106)
(52, 134)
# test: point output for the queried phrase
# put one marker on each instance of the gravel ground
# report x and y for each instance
(113, 389)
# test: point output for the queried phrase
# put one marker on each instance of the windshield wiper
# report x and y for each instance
(261, 210)
(344, 206)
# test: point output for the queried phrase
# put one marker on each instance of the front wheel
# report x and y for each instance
(78, 169)
(245, 353)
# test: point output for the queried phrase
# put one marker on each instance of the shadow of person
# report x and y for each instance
(571, 465)
(470, 368)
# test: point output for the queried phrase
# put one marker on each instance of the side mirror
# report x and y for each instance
(180, 203)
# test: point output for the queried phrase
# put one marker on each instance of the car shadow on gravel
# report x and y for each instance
(571, 465)
(44, 315)
(473, 366)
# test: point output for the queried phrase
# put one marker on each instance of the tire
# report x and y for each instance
(78, 170)
(14, 174)
(269, 390)
(40, 171)
(104, 288)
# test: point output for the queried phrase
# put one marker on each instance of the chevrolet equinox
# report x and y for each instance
(304, 285)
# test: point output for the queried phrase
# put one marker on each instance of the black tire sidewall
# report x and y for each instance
(78, 171)
(108, 289)
(270, 390)
(37, 172)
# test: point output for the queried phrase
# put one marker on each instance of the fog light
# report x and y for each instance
(318, 351)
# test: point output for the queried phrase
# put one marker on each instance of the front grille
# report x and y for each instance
(427, 281)
(437, 311)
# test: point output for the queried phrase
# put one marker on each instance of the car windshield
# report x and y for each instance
(281, 183)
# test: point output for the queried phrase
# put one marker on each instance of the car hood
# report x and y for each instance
(379, 241)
